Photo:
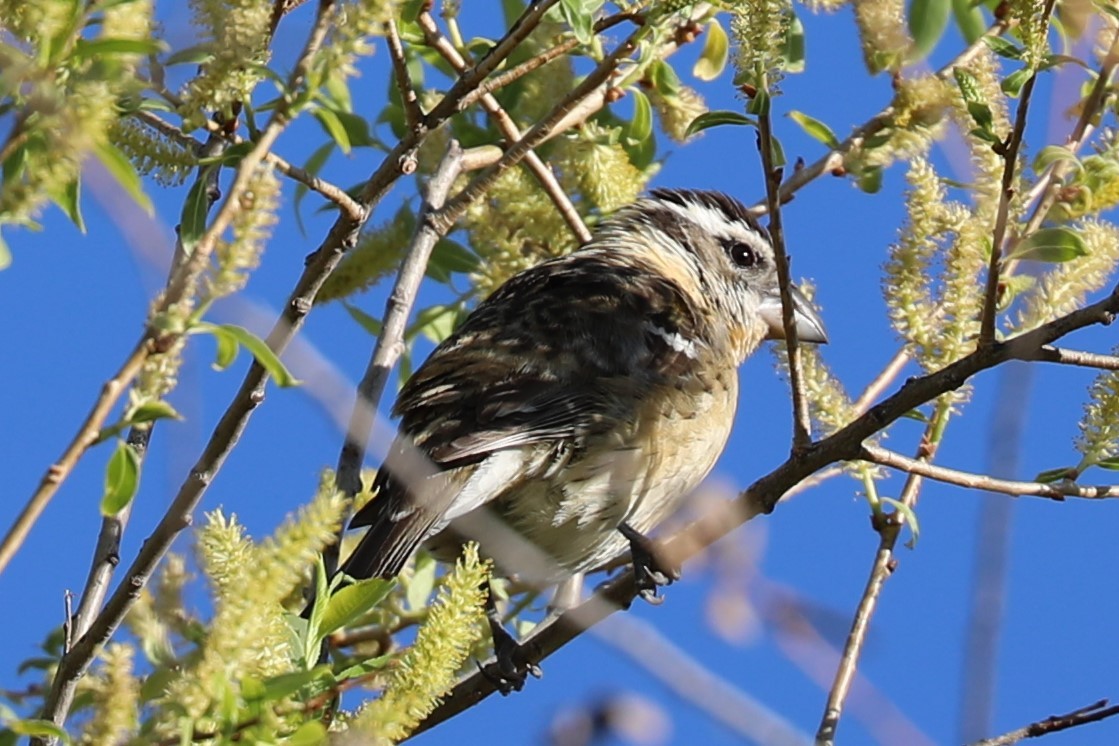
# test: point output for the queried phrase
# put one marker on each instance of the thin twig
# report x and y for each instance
(106, 554)
(497, 82)
(512, 133)
(86, 436)
(1050, 354)
(999, 243)
(880, 570)
(1048, 187)
(542, 130)
(888, 525)
(332, 192)
(875, 388)
(1056, 491)
(74, 664)
(1002, 216)
(802, 426)
(390, 343)
(1091, 714)
(833, 160)
(155, 336)
(413, 116)
(342, 236)
(761, 497)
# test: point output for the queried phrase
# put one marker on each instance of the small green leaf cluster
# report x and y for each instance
(67, 65)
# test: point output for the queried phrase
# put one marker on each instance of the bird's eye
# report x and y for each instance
(742, 254)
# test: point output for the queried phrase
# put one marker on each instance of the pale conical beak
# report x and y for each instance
(810, 328)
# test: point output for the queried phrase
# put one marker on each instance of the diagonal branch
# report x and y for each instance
(390, 343)
(1093, 713)
(763, 495)
(512, 133)
(413, 116)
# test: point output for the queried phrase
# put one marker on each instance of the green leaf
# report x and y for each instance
(1012, 84)
(333, 127)
(227, 349)
(357, 129)
(152, 410)
(196, 208)
(1051, 154)
(38, 728)
(710, 119)
(310, 733)
(259, 349)
(916, 414)
(641, 126)
(285, 684)
(120, 168)
(976, 105)
(969, 20)
(777, 152)
(1004, 48)
(449, 257)
(364, 667)
(579, 15)
(909, 517)
(815, 129)
(191, 55)
(122, 479)
(349, 603)
(664, 78)
(927, 21)
(869, 179)
(713, 59)
(367, 322)
(5, 254)
(93, 49)
(313, 165)
(436, 323)
(68, 198)
(759, 104)
(1109, 463)
(1055, 475)
(793, 53)
(982, 116)
(1050, 245)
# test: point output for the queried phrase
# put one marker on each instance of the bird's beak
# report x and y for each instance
(810, 328)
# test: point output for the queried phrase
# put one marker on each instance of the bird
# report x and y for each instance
(581, 402)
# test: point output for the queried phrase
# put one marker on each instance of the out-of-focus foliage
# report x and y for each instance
(81, 80)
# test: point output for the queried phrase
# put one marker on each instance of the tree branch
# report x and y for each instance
(509, 129)
(1091, 714)
(766, 492)
(1058, 491)
(802, 426)
(390, 343)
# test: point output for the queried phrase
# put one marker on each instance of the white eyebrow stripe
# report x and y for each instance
(676, 341)
(718, 224)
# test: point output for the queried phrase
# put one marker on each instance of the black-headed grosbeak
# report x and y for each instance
(587, 396)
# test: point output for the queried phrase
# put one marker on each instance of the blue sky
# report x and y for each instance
(73, 306)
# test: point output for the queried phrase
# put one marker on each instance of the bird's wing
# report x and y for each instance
(559, 353)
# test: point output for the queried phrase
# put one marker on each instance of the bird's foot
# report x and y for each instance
(648, 570)
(513, 666)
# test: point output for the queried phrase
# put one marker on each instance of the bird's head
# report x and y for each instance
(721, 258)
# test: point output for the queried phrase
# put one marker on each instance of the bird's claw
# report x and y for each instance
(512, 667)
(648, 573)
